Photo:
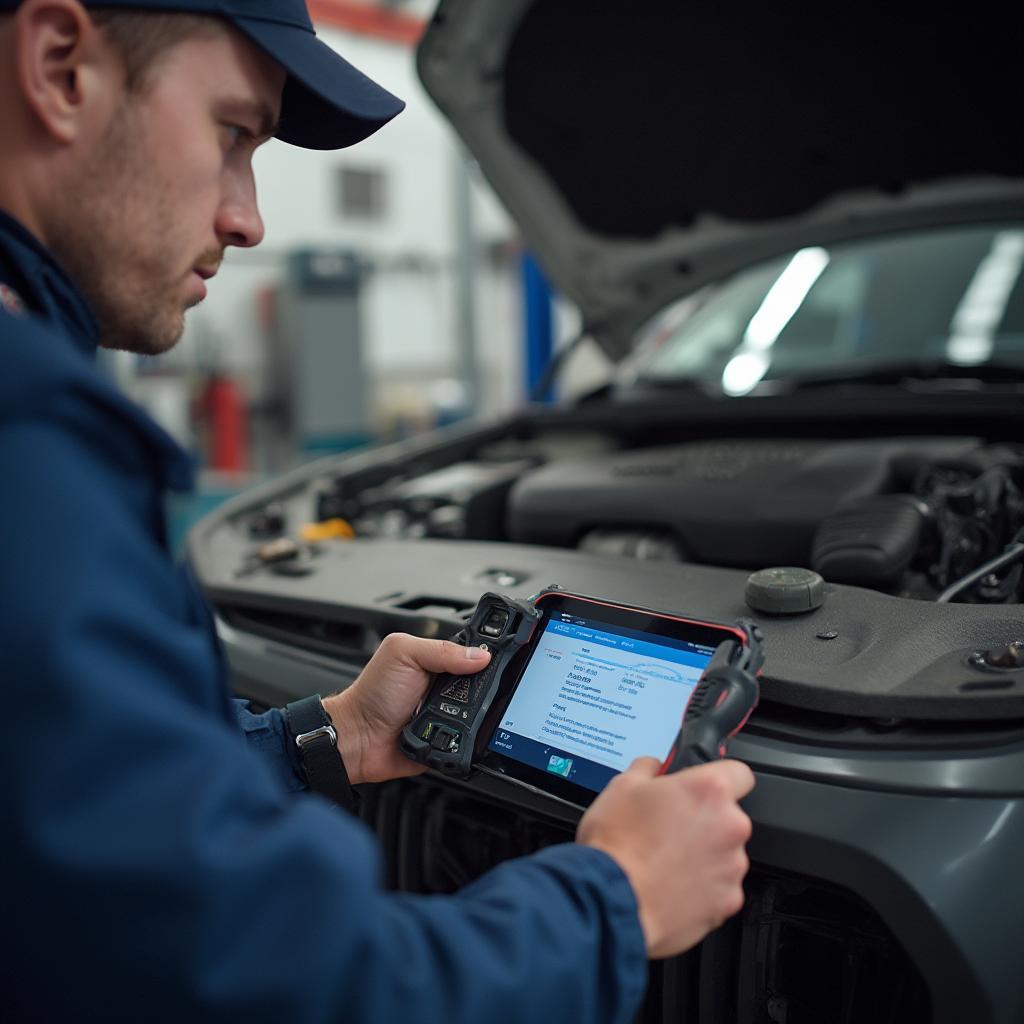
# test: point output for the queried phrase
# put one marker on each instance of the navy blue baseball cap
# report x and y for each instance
(327, 103)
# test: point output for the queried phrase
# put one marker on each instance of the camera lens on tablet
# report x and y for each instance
(495, 623)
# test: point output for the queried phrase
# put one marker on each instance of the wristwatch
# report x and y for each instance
(317, 740)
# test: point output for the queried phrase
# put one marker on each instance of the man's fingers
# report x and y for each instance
(730, 778)
(455, 658)
(742, 779)
(435, 655)
(644, 766)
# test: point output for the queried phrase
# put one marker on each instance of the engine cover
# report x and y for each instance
(729, 503)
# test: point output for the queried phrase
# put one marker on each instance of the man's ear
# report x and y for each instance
(66, 70)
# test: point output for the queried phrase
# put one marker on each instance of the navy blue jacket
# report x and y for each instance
(156, 865)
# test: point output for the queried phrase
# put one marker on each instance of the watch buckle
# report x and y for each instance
(307, 737)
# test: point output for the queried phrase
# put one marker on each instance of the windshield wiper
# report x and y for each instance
(912, 375)
(699, 387)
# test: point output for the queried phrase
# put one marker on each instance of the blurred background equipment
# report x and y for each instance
(316, 353)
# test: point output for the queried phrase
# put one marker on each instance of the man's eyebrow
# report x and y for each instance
(255, 111)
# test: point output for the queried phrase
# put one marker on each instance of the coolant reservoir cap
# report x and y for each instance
(785, 590)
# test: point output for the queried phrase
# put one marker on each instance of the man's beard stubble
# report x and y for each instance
(110, 229)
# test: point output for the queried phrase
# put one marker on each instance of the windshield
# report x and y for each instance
(949, 298)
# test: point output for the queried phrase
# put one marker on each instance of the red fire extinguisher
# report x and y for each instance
(227, 426)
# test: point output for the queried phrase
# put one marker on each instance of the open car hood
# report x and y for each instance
(647, 148)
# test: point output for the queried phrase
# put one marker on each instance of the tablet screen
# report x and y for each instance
(594, 696)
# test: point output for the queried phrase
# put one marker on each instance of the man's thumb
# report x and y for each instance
(645, 766)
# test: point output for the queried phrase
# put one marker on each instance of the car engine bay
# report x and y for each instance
(911, 516)
(891, 714)
(919, 537)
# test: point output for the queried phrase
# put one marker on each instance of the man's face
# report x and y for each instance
(149, 211)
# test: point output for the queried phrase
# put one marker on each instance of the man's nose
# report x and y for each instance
(238, 217)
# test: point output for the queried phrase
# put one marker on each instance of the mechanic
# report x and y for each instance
(161, 863)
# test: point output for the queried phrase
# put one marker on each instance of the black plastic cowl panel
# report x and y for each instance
(862, 653)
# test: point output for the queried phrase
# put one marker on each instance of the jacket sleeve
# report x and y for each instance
(268, 733)
(157, 867)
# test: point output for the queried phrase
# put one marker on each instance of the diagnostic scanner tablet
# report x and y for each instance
(597, 685)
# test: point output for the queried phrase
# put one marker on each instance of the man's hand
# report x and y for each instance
(371, 713)
(679, 839)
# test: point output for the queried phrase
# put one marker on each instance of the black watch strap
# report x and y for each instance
(317, 740)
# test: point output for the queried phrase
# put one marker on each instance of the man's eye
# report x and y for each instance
(236, 133)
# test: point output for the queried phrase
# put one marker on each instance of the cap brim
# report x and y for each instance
(327, 103)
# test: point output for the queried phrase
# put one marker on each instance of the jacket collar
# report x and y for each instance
(33, 282)
(29, 272)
